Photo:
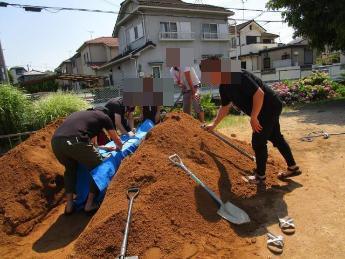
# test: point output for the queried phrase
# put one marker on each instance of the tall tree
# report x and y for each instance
(320, 21)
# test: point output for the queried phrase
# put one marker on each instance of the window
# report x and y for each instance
(267, 63)
(243, 64)
(251, 39)
(136, 32)
(285, 56)
(210, 31)
(156, 72)
(266, 41)
(250, 27)
(169, 30)
(136, 35)
(233, 42)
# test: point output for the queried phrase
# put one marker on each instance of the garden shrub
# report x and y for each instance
(57, 105)
(317, 86)
(15, 110)
(208, 106)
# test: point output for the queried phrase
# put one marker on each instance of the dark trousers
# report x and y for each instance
(271, 132)
(69, 153)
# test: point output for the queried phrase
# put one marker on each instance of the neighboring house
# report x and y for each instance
(31, 75)
(3, 69)
(65, 67)
(247, 40)
(95, 53)
(77, 68)
(295, 53)
(146, 28)
(16, 73)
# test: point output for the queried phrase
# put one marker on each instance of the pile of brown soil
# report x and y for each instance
(31, 181)
(173, 217)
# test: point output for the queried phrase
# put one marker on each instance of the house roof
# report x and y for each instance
(128, 54)
(269, 35)
(243, 25)
(181, 4)
(108, 41)
(300, 43)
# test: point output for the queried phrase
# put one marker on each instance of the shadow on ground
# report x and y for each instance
(64, 231)
(264, 208)
(330, 112)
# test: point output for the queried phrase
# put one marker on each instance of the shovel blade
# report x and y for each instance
(233, 214)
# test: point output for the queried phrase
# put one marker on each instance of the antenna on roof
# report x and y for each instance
(91, 32)
(243, 1)
(198, 2)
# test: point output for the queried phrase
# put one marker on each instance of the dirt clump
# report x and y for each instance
(172, 216)
(31, 181)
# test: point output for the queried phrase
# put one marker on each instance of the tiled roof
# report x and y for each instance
(109, 41)
(242, 25)
(181, 4)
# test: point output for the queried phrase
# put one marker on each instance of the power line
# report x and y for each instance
(53, 9)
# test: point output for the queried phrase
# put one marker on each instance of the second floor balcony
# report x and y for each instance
(214, 36)
(176, 36)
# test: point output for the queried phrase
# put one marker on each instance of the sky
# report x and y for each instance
(43, 40)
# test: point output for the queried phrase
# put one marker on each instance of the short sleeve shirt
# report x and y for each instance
(84, 125)
(242, 94)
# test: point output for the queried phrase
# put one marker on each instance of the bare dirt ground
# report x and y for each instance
(314, 199)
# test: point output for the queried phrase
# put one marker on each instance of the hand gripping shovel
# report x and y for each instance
(226, 210)
(131, 194)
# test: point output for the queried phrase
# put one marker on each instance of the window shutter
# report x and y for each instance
(131, 34)
(223, 28)
(140, 30)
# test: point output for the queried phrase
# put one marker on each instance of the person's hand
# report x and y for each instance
(131, 134)
(118, 147)
(134, 130)
(255, 124)
(110, 149)
(209, 127)
(197, 97)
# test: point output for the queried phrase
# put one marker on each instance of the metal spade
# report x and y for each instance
(227, 210)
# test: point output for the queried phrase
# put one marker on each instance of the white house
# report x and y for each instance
(146, 28)
(247, 40)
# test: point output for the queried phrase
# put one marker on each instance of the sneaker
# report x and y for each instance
(255, 179)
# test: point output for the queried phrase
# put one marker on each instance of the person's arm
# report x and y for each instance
(118, 124)
(158, 114)
(113, 135)
(258, 100)
(222, 112)
(189, 80)
(131, 121)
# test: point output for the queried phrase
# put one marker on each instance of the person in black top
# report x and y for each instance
(264, 107)
(122, 116)
(152, 113)
(71, 144)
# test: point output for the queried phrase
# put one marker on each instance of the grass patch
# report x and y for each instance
(233, 120)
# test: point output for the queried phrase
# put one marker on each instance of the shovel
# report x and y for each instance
(240, 150)
(227, 210)
(131, 194)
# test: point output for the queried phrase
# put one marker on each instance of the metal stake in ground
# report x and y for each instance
(131, 194)
(227, 210)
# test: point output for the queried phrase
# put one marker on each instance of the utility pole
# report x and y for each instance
(3, 69)
(243, 1)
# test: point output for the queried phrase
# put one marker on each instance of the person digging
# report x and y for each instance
(71, 144)
(261, 103)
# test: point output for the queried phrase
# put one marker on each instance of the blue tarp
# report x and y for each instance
(103, 173)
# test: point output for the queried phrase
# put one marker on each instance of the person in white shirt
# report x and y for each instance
(189, 83)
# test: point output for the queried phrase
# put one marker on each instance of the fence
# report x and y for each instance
(335, 71)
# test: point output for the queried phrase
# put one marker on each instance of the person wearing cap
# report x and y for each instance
(248, 93)
(121, 115)
(189, 83)
(71, 144)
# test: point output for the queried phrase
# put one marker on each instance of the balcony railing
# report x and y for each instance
(215, 36)
(184, 36)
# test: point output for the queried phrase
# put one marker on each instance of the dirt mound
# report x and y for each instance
(173, 217)
(31, 181)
